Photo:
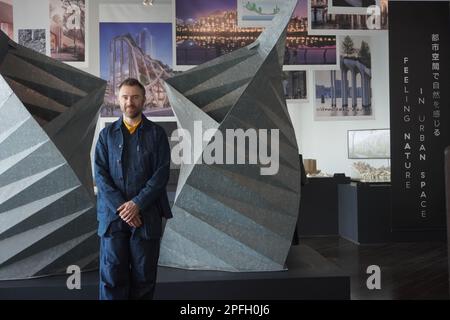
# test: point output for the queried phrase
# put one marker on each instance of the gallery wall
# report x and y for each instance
(324, 140)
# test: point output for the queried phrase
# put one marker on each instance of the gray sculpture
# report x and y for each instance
(228, 216)
(48, 114)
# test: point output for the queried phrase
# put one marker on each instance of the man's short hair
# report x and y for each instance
(132, 82)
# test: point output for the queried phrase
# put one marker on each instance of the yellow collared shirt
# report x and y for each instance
(131, 129)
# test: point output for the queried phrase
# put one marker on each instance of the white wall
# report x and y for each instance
(39, 19)
(93, 39)
(326, 141)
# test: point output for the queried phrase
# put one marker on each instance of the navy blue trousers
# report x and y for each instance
(128, 264)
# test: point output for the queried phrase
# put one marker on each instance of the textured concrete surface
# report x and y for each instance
(48, 114)
(229, 217)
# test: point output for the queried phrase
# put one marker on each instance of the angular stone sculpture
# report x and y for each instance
(229, 217)
(48, 115)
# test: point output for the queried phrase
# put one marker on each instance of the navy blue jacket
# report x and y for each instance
(150, 183)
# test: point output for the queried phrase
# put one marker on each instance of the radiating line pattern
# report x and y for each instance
(230, 217)
(48, 114)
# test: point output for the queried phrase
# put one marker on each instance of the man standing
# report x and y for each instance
(132, 165)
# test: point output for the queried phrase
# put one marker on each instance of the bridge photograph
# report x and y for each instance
(213, 28)
(346, 92)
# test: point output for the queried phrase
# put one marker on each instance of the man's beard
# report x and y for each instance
(133, 111)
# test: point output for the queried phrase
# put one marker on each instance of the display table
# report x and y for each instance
(365, 212)
(319, 207)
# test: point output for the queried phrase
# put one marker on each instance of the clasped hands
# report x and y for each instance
(129, 212)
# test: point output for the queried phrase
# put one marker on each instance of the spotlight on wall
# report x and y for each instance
(147, 2)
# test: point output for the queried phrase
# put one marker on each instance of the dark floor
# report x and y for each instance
(408, 270)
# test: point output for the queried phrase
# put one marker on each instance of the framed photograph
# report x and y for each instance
(6, 18)
(306, 52)
(350, 6)
(369, 144)
(68, 31)
(295, 84)
(346, 94)
(33, 39)
(138, 50)
(207, 29)
(257, 13)
(321, 21)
